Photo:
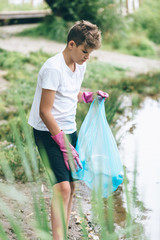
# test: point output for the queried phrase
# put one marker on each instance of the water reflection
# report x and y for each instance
(143, 145)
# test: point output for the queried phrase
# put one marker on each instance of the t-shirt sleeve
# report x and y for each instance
(50, 79)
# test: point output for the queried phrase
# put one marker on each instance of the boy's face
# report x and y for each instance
(79, 54)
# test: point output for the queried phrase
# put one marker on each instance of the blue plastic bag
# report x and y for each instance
(98, 152)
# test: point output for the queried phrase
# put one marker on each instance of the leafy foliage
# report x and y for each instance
(147, 18)
(22, 76)
(54, 28)
(103, 13)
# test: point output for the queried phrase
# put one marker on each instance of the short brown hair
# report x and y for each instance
(84, 32)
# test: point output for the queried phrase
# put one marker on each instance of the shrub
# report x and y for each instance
(140, 46)
(103, 13)
(54, 28)
(147, 18)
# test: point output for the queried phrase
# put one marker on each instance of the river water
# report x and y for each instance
(140, 144)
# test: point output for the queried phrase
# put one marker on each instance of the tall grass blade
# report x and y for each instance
(128, 201)
(29, 139)
(37, 211)
(12, 193)
(63, 218)
(134, 190)
(70, 157)
(3, 235)
(50, 175)
(100, 209)
(22, 154)
(6, 169)
(110, 220)
(41, 216)
(84, 223)
(44, 213)
(17, 229)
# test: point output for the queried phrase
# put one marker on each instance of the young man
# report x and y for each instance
(54, 108)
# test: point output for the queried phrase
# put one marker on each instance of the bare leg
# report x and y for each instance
(62, 191)
(72, 185)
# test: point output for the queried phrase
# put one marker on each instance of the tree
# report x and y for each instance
(127, 10)
(72, 10)
(101, 12)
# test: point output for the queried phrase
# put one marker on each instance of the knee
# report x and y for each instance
(65, 192)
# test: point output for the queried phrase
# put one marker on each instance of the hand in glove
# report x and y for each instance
(102, 94)
(89, 96)
(61, 141)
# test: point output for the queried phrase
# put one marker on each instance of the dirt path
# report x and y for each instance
(25, 45)
(21, 195)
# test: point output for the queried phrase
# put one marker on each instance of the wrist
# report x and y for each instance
(58, 138)
(57, 133)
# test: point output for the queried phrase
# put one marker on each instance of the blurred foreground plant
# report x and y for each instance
(40, 224)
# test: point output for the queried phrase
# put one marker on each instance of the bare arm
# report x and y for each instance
(46, 104)
(80, 99)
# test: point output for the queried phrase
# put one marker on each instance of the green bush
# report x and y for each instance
(147, 18)
(117, 39)
(130, 43)
(54, 28)
(145, 85)
(136, 33)
(140, 46)
(136, 100)
(110, 20)
(103, 13)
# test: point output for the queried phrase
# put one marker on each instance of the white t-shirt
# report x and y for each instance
(56, 75)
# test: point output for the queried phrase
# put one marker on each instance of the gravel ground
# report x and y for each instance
(19, 201)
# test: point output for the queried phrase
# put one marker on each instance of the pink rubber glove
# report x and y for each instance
(102, 94)
(89, 96)
(60, 140)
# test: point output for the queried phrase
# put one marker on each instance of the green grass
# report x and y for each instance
(56, 29)
(127, 40)
(103, 210)
(134, 44)
(53, 28)
(146, 20)
(22, 72)
(20, 161)
(22, 75)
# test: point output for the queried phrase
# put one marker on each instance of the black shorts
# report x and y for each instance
(54, 154)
